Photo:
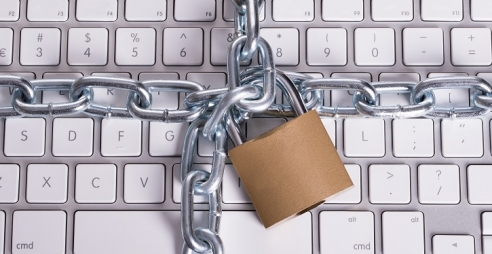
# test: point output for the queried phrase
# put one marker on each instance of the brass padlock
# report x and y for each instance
(291, 169)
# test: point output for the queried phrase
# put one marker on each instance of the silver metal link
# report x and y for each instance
(247, 22)
(18, 83)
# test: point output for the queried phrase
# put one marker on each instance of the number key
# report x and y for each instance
(284, 43)
(375, 46)
(40, 46)
(183, 46)
(135, 46)
(327, 46)
(87, 46)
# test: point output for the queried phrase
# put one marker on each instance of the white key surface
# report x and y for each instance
(135, 46)
(392, 10)
(293, 10)
(342, 98)
(95, 183)
(47, 10)
(39, 232)
(40, 46)
(352, 195)
(403, 231)
(221, 39)
(451, 97)
(442, 10)
(6, 40)
(24, 137)
(423, 46)
(453, 244)
(326, 46)
(10, 10)
(211, 80)
(121, 137)
(97, 10)
(6, 92)
(392, 99)
(9, 184)
(347, 232)
(111, 96)
(462, 138)
(47, 183)
(229, 7)
(145, 10)
(480, 10)
(161, 99)
(487, 223)
(364, 137)
(471, 46)
(330, 127)
(2, 230)
(439, 184)
(58, 96)
(233, 188)
(144, 183)
(177, 183)
(413, 137)
(194, 10)
(183, 46)
(389, 184)
(166, 139)
(487, 244)
(73, 136)
(374, 46)
(343, 10)
(479, 188)
(87, 46)
(284, 43)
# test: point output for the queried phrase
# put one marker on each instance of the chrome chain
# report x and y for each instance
(219, 113)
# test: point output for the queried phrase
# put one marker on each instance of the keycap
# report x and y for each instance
(111, 96)
(389, 184)
(326, 46)
(487, 223)
(487, 244)
(183, 46)
(135, 46)
(162, 100)
(453, 244)
(47, 10)
(451, 97)
(374, 46)
(439, 184)
(87, 46)
(293, 10)
(229, 7)
(177, 183)
(364, 137)
(413, 137)
(330, 126)
(392, 99)
(346, 232)
(24, 137)
(9, 11)
(166, 139)
(480, 10)
(233, 189)
(390, 10)
(284, 43)
(95, 183)
(462, 138)
(192, 10)
(9, 185)
(39, 232)
(121, 137)
(40, 46)
(73, 136)
(221, 39)
(342, 98)
(145, 10)
(6, 92)
(58, 96)
(479, 178)
(343, 10)
(211, 80)
(6, 39)
(471, 46)
(97, 10)
(423, 46)
(403, 231)
(144, 183)
(47, 183)
(2, 230)
(352, 195)
(442, 10)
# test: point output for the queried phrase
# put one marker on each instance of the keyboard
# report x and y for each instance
(83, 184)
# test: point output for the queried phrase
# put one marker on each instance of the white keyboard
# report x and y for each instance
(90, 185)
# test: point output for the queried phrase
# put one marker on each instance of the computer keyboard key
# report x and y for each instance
(111, 96)
(364, 137)
(413, 138)
(229, 7)
(58, 96)
(442, 10)
(2, 230)
(453, 244)
(9, 184)
(183, 46)
(144, 183)
(146, 10)
(391, 10)
(341, 98)
(347, 232)
(24, 137)
(423, 46)
(6, 92)
(73, 136)
(293, 10)
(403, 232)
(451, 97)
(95, 183)
(343, 10)
(47, 183)
(233, 190)
(284, 43)
(326, 46)
(97, 10)
(10, 11)
(487, 244)
(479, 187)
(330, 126)
(374, 46)
(480, 10)
(389, 184)
(161, 99)
(462, 138)
(87, 46)
(221, 39)
(121, 137)
(135, 46)
(40, 46)
(351, 195)
(471, 46)
(6, 40)
(166, 139)
(439, 184)
(193, 10)
(39, 232)
(391, 99)
(47, 10)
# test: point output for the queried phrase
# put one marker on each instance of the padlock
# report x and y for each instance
(291, 169)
